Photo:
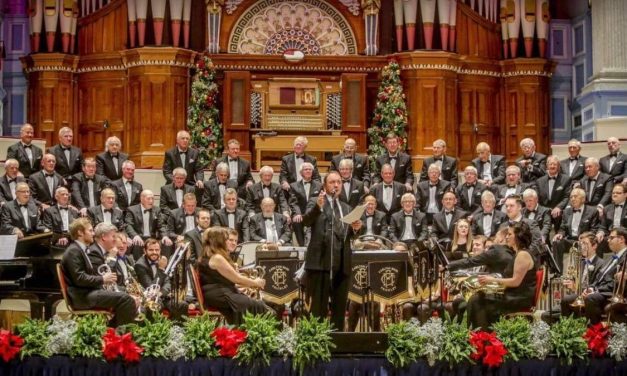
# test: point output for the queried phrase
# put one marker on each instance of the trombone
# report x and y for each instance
(619, 287)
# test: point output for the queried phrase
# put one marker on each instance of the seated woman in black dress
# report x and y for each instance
(461, 246)
(519, 281)
(219, 278)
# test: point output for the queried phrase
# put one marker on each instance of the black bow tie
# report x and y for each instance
(123, 258)
(448, 213)
(49, 175)
(306, 182)
(369, 216)
(576, 210)
(178, 188)
(155, 263)
(65, 148)
(572, 159)
(299, 157)
(387, 185)
(182, 152)
(531, 212)
(27, 146)
(63, 208)
(393, 158)
(432, 185)
(437, 159)
(614, 155)
(487, 214)
(266, 187)
(470, 185)
(89, 179)
(346, 181)
(552, 177)
(23, 205)
(511, 186)
(232, 160)
(189, 215)
(147, 211)
(230, 212)
(108, 210)
(618, 206)
(409, 215)
(113, 155)
(11, 180)
(268, 218)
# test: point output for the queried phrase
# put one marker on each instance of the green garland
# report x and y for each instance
(390, 113)
(203, 116)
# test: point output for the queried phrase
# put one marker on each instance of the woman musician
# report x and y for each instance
(519, 282)
(219, 277)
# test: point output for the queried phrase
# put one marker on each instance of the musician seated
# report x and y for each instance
(43, 184)
(614, 215)
(171, 195)
(268, 226)
(107, 212)
(589, 266)
(145, 221)
(533, 211)
(578, 218)
(231, 216)
(478, 245)
(519, 280)
(86, 187)
(150, 271)
(20, 217)
(57, 218)
(219, 279)
(617, 311)
(493, 260)
(194, 237)
(601, 288)
(9, 181)
(182, 220)
(408, 225)
(352, 189)
(124, 263)
(85, 285)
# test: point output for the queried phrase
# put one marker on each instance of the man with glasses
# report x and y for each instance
(614, 215)
(9, 181)
(20, 217)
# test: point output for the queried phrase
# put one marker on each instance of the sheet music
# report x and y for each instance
(8, 244)
(354, 215)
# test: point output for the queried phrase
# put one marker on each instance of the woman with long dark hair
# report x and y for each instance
(220, 278)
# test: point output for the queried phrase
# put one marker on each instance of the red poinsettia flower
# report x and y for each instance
(124, 346)
(10, 345)
(228, 340)
(201, 64)
(488, 348)
(597, 336)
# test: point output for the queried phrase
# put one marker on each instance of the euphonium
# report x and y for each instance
(574, 272)
(253, 273)
(150, 298)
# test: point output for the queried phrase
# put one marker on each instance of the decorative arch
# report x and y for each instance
(314, 27)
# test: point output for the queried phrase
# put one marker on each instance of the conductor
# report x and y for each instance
(328, 258)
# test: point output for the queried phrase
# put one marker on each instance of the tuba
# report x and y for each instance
(574, 272)
(253, 272)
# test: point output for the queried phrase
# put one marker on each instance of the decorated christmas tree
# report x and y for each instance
(390, 113)
(203, 116)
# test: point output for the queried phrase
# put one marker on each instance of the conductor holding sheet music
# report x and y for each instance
(328, 259)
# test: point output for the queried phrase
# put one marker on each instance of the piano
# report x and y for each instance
(31, 274)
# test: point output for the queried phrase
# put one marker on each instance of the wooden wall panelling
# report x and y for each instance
(475, 35)
(354, 108)
(236, 110)
(105, 30)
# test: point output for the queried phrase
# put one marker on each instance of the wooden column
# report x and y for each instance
(430, 85)
(158, 93)
(236, 110)
(525, 99)
(354, 108)
(51, 93)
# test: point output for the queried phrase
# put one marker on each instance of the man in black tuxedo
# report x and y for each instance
(573, 166)
(469, 193)
(57, 219)
(150, 270)
(512, 186)
(513, 209)
(44, 183)
(408, 225)
(352, 189)
(531, 163)
(145, 221)
(9, 181)
(448, 165)
(554, 189)
(374, 221)
(533, 211)
(182, 220)
(388, 192)
(400, 162)
(361, 165)
(596, 184)
(107, 211)
(186, 157)
(231, 216)
(445, 221)
(213, 192)
(194, 237)
(614, 215)
(590, 265)
(578, 218)
(487, 221)
(69, 157)
(268, 226)
(602, 286)
(109, 163)
(290, 164)
(239, 168)
(127, 190)
(431, 191)
(491, 168)
(615, 162)
(266, 188)
(20, 217)
(25, 152)
(171, 195)
(85, 285)
(123, 266)
(86, 187)
(328, 258)
(300, 193)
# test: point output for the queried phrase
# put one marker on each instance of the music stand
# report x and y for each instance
(441, 257)
(175, 260)
(548, 259)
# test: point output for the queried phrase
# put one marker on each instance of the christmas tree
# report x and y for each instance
(203, 116)
(390, 113)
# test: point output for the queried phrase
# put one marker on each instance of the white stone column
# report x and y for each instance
(609, 28)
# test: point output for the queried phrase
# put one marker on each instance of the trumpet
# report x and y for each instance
(104, 269)
(150, 298)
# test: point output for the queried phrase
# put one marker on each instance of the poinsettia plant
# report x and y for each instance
(488, 348)
(228, 340)
(10, 345)
(116, 346)
(597, 336)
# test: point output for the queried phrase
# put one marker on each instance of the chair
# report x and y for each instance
(213, 312)
(530, 313)
(73, 311)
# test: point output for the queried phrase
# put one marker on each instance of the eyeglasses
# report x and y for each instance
(612, 237)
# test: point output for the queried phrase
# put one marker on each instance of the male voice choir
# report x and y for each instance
(500, 219)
